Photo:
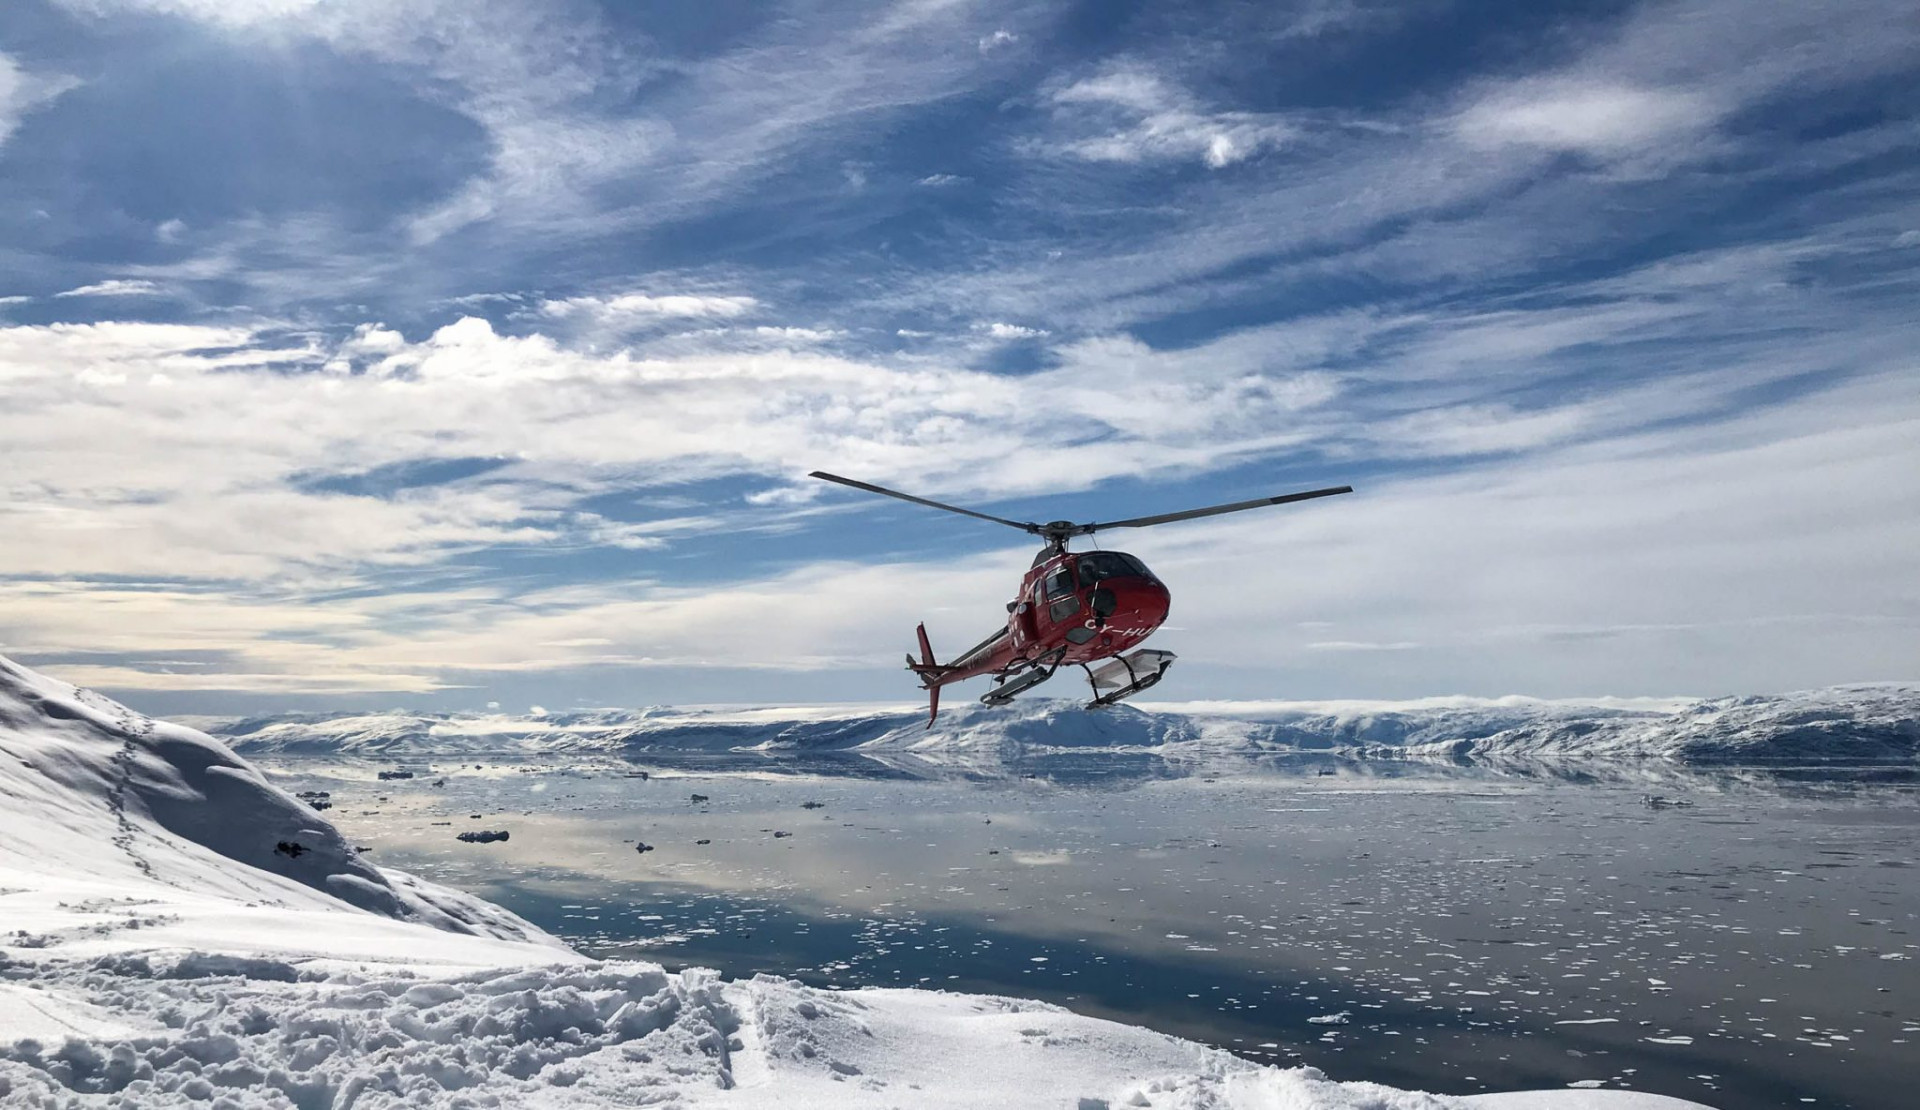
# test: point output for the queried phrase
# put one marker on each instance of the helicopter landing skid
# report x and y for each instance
(1004, 691)
(1126, 675)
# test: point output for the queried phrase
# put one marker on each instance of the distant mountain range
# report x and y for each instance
(1845, 724)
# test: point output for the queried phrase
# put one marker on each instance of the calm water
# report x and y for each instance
(1431, 928)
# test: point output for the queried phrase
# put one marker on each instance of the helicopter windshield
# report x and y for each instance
(1095, 566)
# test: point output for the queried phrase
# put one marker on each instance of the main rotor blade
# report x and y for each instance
(885, 492)
(1215, 510)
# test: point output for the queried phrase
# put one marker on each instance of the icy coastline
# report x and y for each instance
(1850, 724)
(163, 945)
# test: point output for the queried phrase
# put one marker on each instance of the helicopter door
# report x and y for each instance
(1062, 603)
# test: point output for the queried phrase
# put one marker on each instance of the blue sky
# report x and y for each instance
(440, 353)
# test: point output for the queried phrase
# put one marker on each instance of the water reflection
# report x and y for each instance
(1122, 768)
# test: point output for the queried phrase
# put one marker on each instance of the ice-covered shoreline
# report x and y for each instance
(178, 931)
(1847, 724)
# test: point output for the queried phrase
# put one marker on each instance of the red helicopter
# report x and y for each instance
(1074, 608)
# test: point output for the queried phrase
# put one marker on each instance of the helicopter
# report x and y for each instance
(1073, 609)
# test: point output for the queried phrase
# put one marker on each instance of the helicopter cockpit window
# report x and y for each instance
(1060, 583)
(1098, 565)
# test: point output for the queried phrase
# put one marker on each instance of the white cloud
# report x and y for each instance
(1661, 83)
(1473, 567)
(1361, 645)
(627, 310)
(999, 40)
(116, 287)
(1399, 195)
(1130, 114)
(939, 180)
(556, 90)
(223, 486)
(1767, 552)
(1479, 430)
(713, 339)
(1001, 330)
(1599, 118)
(528, 73)
(228, 13)
(306, 681)
(544, 162)
(799, 335)
(22, 92)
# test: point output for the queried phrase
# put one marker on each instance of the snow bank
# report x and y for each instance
(633, 1035)
(161, 947)
(1862, 724)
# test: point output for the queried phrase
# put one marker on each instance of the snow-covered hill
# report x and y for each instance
(1842, 724)
(162, 944)
(109, 800)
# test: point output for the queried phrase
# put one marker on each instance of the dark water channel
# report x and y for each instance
(1441, 929)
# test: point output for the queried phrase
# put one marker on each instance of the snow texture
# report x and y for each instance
(1856, 724)
(162, 948)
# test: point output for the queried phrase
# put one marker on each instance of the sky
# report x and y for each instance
(440, 353)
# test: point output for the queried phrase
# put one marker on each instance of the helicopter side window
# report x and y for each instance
(1060, 592)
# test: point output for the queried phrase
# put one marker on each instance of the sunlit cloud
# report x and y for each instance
(1129, 114)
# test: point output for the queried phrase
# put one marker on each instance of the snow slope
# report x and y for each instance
(105, 800)
(158, 952)
(1877, 724)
